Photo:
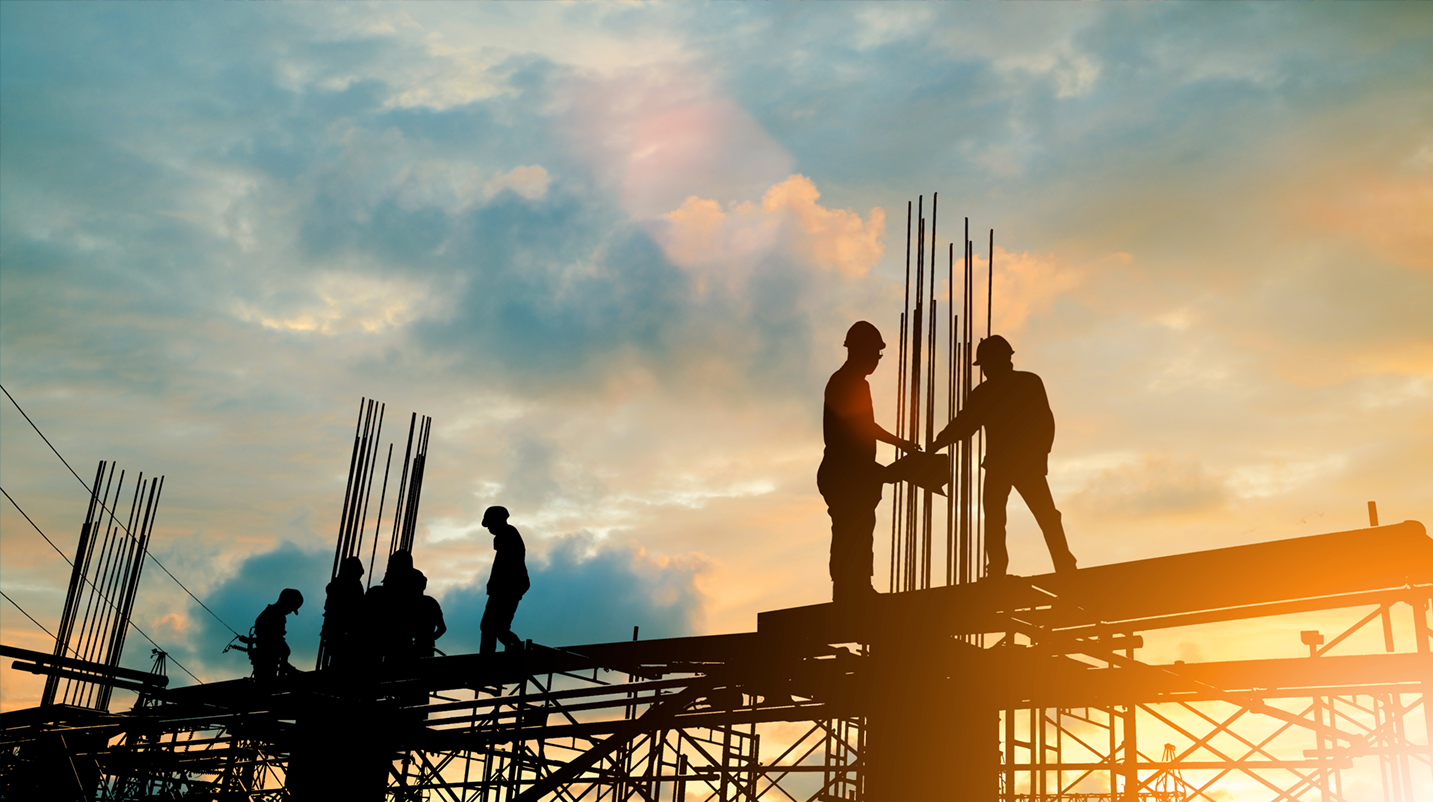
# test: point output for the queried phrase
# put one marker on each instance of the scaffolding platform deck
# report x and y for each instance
(1298, 574)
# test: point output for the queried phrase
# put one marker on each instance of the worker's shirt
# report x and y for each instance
(342, 605)
(1019, 427)
(430, 621)
(269, 629)
(509, 576)
(848, 421)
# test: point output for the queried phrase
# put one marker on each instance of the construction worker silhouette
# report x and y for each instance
(428, 625)
(387, 608)
(1019, 430)
(849, 478)
(506, 584)
(343, 612)
(268, 650)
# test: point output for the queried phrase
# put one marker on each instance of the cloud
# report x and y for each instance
(530, 182)
(1387, 215)
(348, 303)
(725, 246)
(658, 136)
(1143, 486)
(1027, 284)
(586, 590)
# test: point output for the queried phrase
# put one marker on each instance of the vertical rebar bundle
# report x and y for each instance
(359, 489)
(108, 563)
(411, 487)
(923, 354)
(358, 492)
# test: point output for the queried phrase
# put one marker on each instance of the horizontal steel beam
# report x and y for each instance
(42, 658)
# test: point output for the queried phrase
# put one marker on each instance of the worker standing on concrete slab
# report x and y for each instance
(506, 584)
(1019, 429)
(849, 478)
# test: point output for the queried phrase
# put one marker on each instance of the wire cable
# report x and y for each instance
(86, 486)
(27, 615)
(96, 590)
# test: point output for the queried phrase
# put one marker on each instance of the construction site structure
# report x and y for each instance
(894, 701)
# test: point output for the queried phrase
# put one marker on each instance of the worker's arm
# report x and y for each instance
(966, 423)
(886, 437)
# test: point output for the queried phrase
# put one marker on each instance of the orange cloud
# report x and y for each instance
(1027, 284)
(701, 236)
(838, 239)
(1389, 216)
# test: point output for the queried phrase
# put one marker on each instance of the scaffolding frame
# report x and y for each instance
(900, 699)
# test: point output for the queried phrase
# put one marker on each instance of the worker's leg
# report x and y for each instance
(845, 545)
(510, 640)
(863, 554)
(495, 622)
(853, 522)
(997, 492)
(1036, 492)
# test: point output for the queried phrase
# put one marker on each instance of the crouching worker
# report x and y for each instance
(268, 650)
(506, 585)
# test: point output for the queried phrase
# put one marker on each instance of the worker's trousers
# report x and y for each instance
(497, 622)
(1035, 489)
(852, 494)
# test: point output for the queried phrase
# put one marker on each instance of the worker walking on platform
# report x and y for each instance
(1019, 430)
(849, 478)
(268, 649)
(506, 584)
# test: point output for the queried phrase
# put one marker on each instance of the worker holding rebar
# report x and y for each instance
(1019, 429)
(268, 649)
(850, 479)
(343, 612)
(506, 584)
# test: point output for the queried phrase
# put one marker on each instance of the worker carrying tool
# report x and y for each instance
(268, 650)
(849, 478)
(506, 584)
(1019, 430)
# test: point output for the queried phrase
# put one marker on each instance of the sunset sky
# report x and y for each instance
(612, 250)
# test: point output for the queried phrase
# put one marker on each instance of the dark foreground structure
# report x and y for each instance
(1027, 689)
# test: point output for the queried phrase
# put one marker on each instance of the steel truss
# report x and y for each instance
(1095, 753)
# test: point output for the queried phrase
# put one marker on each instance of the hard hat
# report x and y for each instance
(495, 515)
(993, 348)
(289, 597)
(863, 335)
(400, 560)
